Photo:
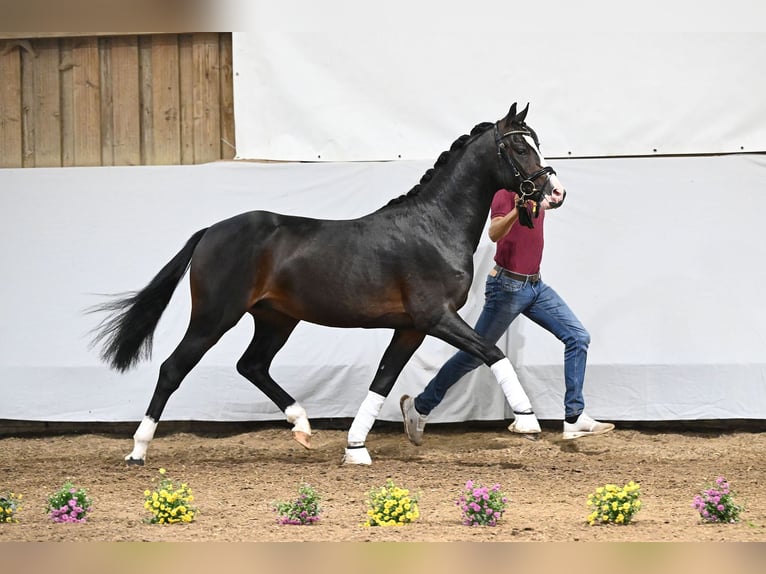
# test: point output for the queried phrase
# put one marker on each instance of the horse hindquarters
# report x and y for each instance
(220, 287)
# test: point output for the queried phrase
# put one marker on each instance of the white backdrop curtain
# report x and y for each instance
(662, 267)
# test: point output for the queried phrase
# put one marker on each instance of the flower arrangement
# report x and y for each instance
(169, 504)
(391, 505)
(614, 505)
(716, 503)
(69, 504)
(303, 510)
(10, 504)
(481, 506)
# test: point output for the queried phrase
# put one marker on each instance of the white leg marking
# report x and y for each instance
(509, 382)
(365, 418)
(356, 452)
(141, 439)
(296, 414)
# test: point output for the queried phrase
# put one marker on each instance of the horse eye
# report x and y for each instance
(520, 149)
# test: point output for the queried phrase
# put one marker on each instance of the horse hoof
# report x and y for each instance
(303, 438)
(134, 461)
(357, 456)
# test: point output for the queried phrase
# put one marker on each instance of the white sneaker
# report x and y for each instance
(585, 426)
(414, 422)
(526, 423)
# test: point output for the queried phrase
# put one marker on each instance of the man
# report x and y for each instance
(514, 287)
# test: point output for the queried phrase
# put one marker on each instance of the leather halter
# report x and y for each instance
(527, 187)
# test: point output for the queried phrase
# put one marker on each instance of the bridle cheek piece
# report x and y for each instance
(527, 187)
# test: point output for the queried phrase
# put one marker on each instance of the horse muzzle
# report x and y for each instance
(554, 200)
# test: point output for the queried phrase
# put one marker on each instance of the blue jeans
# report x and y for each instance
(505, 299)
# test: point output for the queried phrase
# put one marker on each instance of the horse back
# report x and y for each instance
(347, 273)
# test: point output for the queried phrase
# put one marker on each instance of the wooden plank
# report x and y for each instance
(186, 80)
(228, 139)
(207, 118)
(11, 141)
(106, 102)
(146, 99)
(47, 94)
(166, 100)
(20, 35)
(28, 108)
(126, 102)
(86, 92)
(67, 102)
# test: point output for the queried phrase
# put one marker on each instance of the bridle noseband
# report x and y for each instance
(527, 187)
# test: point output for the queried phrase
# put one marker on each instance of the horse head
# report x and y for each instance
(533, 179)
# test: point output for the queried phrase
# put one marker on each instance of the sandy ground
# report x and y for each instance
(236, 478)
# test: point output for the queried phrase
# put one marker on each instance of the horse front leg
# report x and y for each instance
(400, 350)
(453, 330)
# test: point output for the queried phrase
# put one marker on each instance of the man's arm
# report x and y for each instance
(500, 226)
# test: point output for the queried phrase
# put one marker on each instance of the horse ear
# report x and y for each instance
(508, 119)
(522, 115)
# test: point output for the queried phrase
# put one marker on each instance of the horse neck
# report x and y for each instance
(461, 193)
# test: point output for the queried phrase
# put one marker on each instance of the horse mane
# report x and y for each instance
(443, 159)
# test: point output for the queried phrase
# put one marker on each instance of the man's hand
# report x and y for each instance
(527, 210)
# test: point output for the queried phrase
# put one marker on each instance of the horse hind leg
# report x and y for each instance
(272, 330)
(199, 338)
(399, 351)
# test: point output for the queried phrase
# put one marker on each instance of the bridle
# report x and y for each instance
(527, 187)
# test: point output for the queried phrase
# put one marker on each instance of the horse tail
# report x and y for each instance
(127, 333)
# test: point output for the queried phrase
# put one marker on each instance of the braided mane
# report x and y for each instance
(443, 159)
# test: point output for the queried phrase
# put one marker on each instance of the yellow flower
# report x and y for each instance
(162, 471)
(620, 518)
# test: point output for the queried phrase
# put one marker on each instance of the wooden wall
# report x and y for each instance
(141, 99)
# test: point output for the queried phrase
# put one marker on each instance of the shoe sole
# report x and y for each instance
(580, 434)
(404, 420)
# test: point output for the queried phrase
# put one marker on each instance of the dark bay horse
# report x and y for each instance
(407, 266)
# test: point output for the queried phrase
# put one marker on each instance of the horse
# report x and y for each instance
(407, 266)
